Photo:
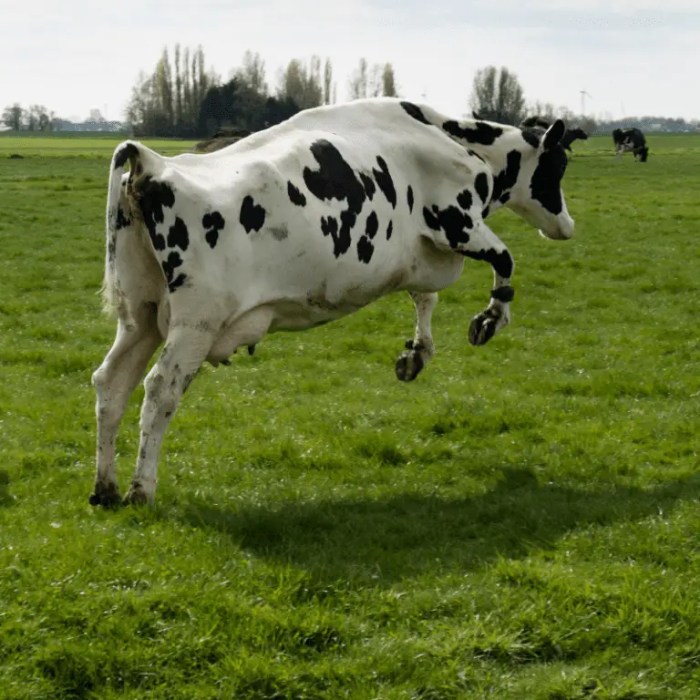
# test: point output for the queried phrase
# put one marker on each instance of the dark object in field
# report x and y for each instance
(631, 140)
(222, 138)
(570, 135)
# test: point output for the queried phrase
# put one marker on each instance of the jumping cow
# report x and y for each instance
(631, 140)
(295, 226)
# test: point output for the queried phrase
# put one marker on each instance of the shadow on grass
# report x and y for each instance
(413, 534)
(5, 498)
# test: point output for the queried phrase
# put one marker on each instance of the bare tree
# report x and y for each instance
(359, 81)
(328, 87)
(252, 73)
(372, 81)
(167, 102)
(389, 81)
(497, 96)
(13, 116)
(302, 83)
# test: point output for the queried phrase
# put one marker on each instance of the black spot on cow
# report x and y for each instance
(464, 199)
(532, 137)
(122, 219)
(481, 185)
(169, 266)
(372, 225)
(177, 282)
(389, 230)
(153, 196)
(414, 111)
(341, 238)
(368, 184)
(409, 198)
(431, 219)
(507, 178)
(505, 294)
(252, 215)
(296, 196)
(178, 235)
(545, 185)
(111, 249)
(386, 184)
(501, 262)
(214, 222)
(452, 221)
(481, 132)
(365, 249)
(335, 179)
(126, 152)
(158, 241)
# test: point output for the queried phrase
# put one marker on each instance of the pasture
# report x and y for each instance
(521, 522)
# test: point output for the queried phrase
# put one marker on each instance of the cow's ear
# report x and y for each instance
(553, 135)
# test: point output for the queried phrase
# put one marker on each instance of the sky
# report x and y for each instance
(631, 57)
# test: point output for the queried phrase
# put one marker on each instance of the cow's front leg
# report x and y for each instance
(421, 348)
(485, 245)
(181, 357)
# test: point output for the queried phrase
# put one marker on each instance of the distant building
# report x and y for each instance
(101, 125)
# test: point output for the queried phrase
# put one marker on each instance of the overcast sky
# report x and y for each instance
(633, 57)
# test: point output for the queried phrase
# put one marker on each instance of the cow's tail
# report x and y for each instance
(117, 218)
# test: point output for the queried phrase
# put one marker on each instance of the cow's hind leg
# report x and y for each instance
(184, 351)
(115, 379)
(421, 348)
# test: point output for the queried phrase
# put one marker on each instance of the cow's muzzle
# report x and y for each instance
(562, 231)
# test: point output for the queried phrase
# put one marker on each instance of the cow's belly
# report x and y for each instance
(301, 292)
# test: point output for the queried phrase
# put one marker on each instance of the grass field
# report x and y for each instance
(520, 523)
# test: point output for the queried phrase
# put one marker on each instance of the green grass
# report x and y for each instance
(519, 523)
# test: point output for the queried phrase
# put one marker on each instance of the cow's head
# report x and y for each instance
(538, 196)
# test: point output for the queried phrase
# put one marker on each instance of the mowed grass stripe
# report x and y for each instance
(520, 522)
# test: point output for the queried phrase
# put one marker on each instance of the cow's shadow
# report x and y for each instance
(386, 540)
(5, 498)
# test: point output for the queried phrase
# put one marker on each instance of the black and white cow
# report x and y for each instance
(296, 226)
(570, 135)
(631, 140)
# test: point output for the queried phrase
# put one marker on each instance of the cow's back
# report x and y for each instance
(326, 205)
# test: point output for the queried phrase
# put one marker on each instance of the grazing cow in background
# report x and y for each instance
(295, 226)
(631, 140)
(222, 138)
(570, 135)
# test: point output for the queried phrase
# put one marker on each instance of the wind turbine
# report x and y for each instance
(584, 94)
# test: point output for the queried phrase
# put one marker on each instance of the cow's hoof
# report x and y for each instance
(482, 328)
(106, 494)
(137, 496)
(409, 365)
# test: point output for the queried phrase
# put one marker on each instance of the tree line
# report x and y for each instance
(182, 98)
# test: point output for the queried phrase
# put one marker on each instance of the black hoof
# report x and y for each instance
(105, 495)
(481, 329)
(135, 496)
(409, 365)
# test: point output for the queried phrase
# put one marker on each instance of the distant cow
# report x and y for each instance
(631, 140)
(570, 135)
(225, 136)
(295, 226)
